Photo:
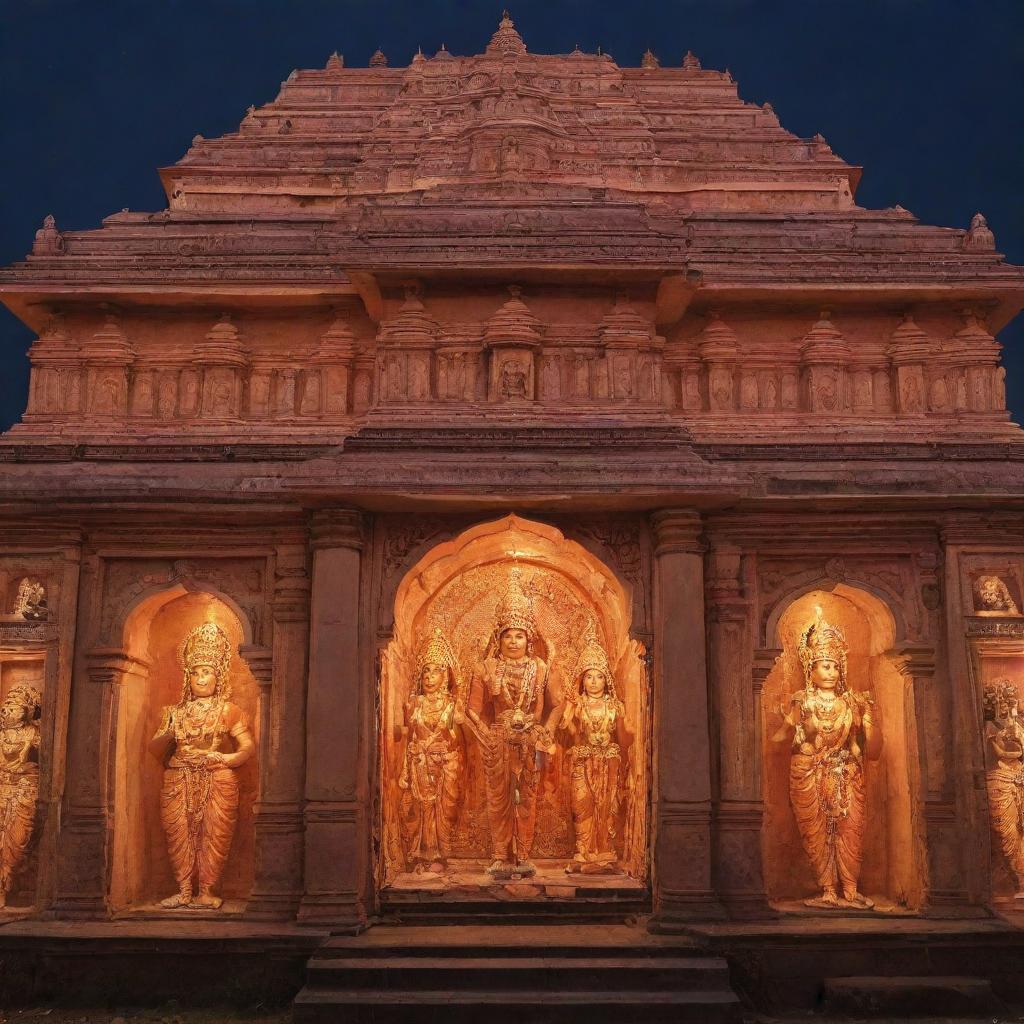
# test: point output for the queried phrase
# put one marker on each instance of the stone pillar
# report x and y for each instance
(337, 783)
(940, 830)
(83, 869)
(281, 673)
(682, 776)
(739, 809)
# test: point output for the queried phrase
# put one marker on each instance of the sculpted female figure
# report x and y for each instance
(199, 798)
(596, 720)
(506, 702)
(19, 779)
(832, 729)
(1004, 735)
(432, 769)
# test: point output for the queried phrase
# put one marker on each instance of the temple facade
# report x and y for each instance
(517, 479)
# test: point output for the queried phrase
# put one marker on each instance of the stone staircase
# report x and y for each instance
(521, 974)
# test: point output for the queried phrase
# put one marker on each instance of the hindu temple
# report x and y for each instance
(513, 533)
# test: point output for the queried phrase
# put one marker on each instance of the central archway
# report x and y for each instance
(454, 589)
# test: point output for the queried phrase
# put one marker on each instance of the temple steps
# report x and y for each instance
(512, 974)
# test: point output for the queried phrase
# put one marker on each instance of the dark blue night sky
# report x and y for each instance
(927, 96)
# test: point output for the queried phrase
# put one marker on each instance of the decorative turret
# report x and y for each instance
(328, 382)
(824, 356)
(717, 347)
(378, 60)
(649, 60)
(406, 346)
(979, 237)
(633, 353)
(55, 385)
(513, 336)
(506, 42)
(909, 350)
(690, 62)
(108, 354)
(221, 360)
(977, 353)
(335, 62)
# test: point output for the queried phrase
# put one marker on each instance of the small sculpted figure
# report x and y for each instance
(30, 602)
(595, 719)
(992, 597)
(433, 764)
(506, 703)
(1004, 735)
(832, 730)
(19, 780)
(199, 798)
(513, 380)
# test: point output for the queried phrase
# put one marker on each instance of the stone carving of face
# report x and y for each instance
(433, 678)
(825, 674)
(13, 715)
(202, 681)
(512, 644)
(594, 682)
(990, 590)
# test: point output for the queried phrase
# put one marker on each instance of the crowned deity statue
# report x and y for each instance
(434, 760)
(19, 779)
(992, 597)
(506, 705)
(595, 719)
(1004, 736)
(204, 739)
(832, 729)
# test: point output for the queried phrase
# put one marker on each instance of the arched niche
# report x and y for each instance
(153, 629)
(456, 585)
(891, 869)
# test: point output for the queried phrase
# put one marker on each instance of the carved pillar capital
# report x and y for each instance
(915, 661)
(677, 531)
(290, 602)
(261, 663)
(112, 664)
(338, 528)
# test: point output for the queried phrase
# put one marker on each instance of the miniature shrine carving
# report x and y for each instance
(199, 798)
(833, 730)
(19, 780)
(1004, 740)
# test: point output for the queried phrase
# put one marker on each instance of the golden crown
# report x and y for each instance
(514, 609)
(592, 656)
(821, 641)
(25, 696)
(436, 651)
(207, 644)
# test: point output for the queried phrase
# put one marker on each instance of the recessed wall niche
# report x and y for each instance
(890, 870)
(142, 874)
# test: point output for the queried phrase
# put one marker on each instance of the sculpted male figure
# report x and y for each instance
(506, 702)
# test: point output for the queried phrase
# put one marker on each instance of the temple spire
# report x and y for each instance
(506, 41)
(649, 60)
(378, 60)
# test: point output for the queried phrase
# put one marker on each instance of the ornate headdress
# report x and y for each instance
(592, 656)
(436, 651)
(25, 696)
(514, 609)
(207, 644)
(821, 641)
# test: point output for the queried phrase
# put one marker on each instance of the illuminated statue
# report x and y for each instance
(993, 597)
(199, 799)
(1004, 734)
(832, 729)
(19, 779)
(596, 720)
(432, 770)
(506, 703)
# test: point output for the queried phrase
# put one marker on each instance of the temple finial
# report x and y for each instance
(506, 41)
(690, 62)
(378, 60)
(979, 236)
(649, 60)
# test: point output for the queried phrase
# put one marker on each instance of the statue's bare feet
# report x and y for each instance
(178, 900)
(499, 868)
(524, 868)
(828, 900)
(856, 901)
(207, 901)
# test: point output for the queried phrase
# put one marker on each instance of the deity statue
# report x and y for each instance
(596, 720)
(1004, 735)
(433, 765)
(992, 597)
(506, 703)
(19, 779)
(30, 602)
(199, 798)
(832, 730)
